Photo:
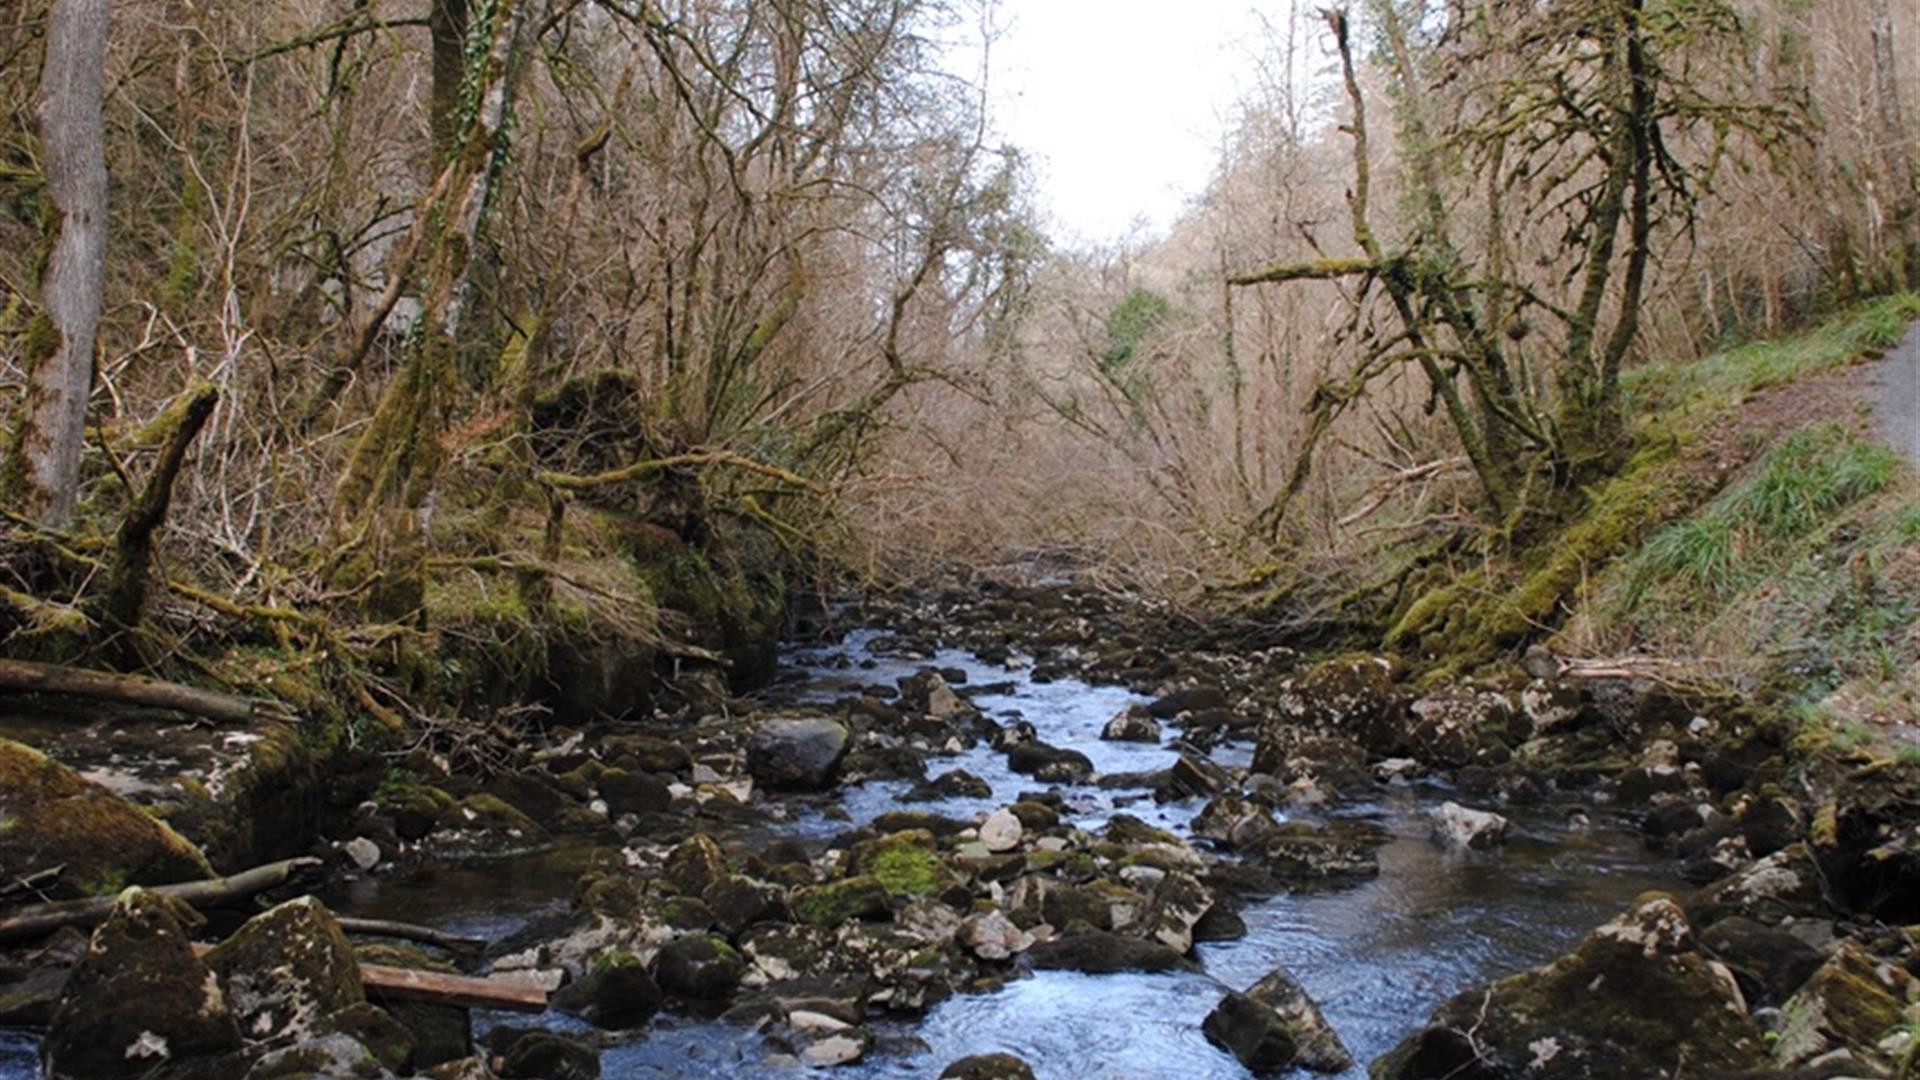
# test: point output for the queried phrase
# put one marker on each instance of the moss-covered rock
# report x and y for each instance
(139, 999)
(483, 825)
(1354, 696)
(738, 903)
(860, 897)
(328, 1057)
(1852, 1002)
(287, 970)
(701, 967)
(906, 863)
(1635, 999)
(51, 816)
(616, 993)
(693, 866)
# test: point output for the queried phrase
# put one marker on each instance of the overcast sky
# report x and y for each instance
(1120, 103)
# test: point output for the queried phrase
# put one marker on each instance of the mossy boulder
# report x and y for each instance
(287, 970)
(1635, 999)
(1852, 1002)
(693, 866)
(139, 999)
(51, 816)
(859, 897)
(702, 967)
(738, 903)
(483, 825)
(988, 1067)
(616, 993)
(542, 1055)
(906, 863)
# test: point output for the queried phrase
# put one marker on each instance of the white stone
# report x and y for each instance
(837, 1050)
(364, 852)
(1458, 826)
(816, 1023)
(1002, 831)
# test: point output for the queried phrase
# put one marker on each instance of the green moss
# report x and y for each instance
(860, 897)
(906, 863)
(54, 817)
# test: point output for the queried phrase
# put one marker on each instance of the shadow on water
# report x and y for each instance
(1377, 957)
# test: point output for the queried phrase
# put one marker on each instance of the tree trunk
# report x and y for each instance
(1903, 186)
(43, 462)
(383, 505)
(447, 24)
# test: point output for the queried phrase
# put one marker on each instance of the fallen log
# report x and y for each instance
(463, 991)
(399, 931)
(43, 919)
(29, 677)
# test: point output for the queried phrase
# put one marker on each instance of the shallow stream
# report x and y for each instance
(1377, 956)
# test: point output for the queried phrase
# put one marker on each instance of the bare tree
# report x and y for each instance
(43, 464)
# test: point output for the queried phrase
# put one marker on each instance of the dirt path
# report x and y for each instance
(1896, 395)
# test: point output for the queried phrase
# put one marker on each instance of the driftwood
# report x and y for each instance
(425, 935)
(43, 919)
(28, 677)
(463, 991)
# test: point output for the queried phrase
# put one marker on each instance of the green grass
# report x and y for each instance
(1734, 373)
(1792, 498)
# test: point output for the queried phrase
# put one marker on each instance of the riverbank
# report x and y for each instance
(995, 803)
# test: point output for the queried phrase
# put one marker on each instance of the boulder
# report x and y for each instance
(1459, 726)
(287, 970)
(1460, 827)
(1193, 775)
(927, 692)
(860, 897)
(987, 1067)
(641, 753)
(1354, 696)
(1851, 1003)
(1309, 856)
(1274, 1027)
(1769, 963)
(542, 1055)
(1636, 998)
(992, 936)
(956, 784)
(1178, 904)
(1133, 724)
(1101, 953)
(139, 999)
(1186, 699)
(904, 863)
(797, 755)
(741, 902)
(1001, 831)
(1786, 884)
(1049, 764)
(693, 865)
(700, 967)
(616, 993)
(634, 793)
(1234, 823)
(51, 816)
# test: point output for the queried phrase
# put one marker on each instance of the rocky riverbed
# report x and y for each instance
(1013, 829)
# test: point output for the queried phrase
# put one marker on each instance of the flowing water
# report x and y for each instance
(1377, 956)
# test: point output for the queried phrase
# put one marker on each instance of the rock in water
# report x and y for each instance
(1458, 826)
(1001, 831)
(797, 755)
(1635, 999)
(987, 1067)
(287, 970)
(615, 994)
(139, 999)
(1133, 724)
(1274, 1027)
